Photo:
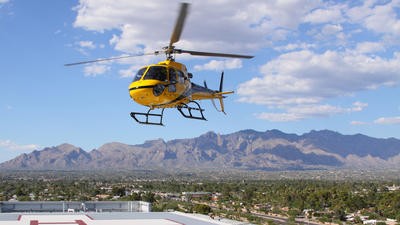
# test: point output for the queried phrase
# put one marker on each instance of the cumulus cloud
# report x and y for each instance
(219, 65)
(387, 120)
(299, 112)
(305, 77)
(308, 77)
(148, 25)
(9, 145)
(87, 44)
(370, 47)
(379, 18)
(294, 46)
(325, 15)
(331, 29)
(95, 69)
(241, 26)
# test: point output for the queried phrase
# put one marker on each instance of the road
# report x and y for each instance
(276, 219)
(284, 220)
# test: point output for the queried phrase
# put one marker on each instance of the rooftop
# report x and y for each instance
(113, 218)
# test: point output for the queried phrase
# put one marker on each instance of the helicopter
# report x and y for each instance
(167, 84)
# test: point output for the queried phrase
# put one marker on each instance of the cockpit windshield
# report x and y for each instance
(139, 74)
(156, 73)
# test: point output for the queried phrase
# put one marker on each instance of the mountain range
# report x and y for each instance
(247, 149)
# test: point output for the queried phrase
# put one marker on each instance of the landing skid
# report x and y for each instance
(186, 111)
(148, 118)
(157, 119)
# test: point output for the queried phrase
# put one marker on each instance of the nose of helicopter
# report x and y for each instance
(137, 93)
(142, 92)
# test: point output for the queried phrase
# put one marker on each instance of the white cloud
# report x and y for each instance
(130, 72)
(134, 64)
(294, 46)
(384, 19)
(219, 65)
(379, 18)
(357, 123)
(369, 47)
(87, 44)
(388, 120)
(304, 111)
(3, 1)
(9, 145)
(307, 77)
(279, 117)
(358, 106)
(95, 69)
(331, 29)
(241, 27)
(326, 15)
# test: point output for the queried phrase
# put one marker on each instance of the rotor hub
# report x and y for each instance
(169, 51)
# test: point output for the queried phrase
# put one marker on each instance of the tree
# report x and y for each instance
(357, 220)
(118, 191)
(134, 197)
(202, 209)
(148, 197)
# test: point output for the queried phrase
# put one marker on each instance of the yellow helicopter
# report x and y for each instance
(167, 84)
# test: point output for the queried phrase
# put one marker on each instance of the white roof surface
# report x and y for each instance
(153, 218)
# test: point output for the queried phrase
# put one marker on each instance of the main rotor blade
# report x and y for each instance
(108, 59)
(216, 54)
(176, 33)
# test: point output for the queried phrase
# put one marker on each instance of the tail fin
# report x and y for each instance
(221, 82)
(220, 95)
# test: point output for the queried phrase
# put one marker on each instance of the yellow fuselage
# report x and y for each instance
(162, 85)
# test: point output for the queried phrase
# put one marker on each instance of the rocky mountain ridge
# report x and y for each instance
(246, 149)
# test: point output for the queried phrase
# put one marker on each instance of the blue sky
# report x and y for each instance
(318, 65)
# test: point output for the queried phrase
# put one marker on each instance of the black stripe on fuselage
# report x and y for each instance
(140, 87)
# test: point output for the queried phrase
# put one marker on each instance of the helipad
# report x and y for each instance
(153, 218)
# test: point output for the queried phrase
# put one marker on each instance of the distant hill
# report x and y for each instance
(246, 149)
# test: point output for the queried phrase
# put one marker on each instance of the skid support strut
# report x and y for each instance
(186, 111)
(148, 118)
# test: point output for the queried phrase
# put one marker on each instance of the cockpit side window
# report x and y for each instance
(156, 73)
(181, 76)
(172, 75)
(139, 74)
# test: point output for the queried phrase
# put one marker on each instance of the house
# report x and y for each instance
(187, 196)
